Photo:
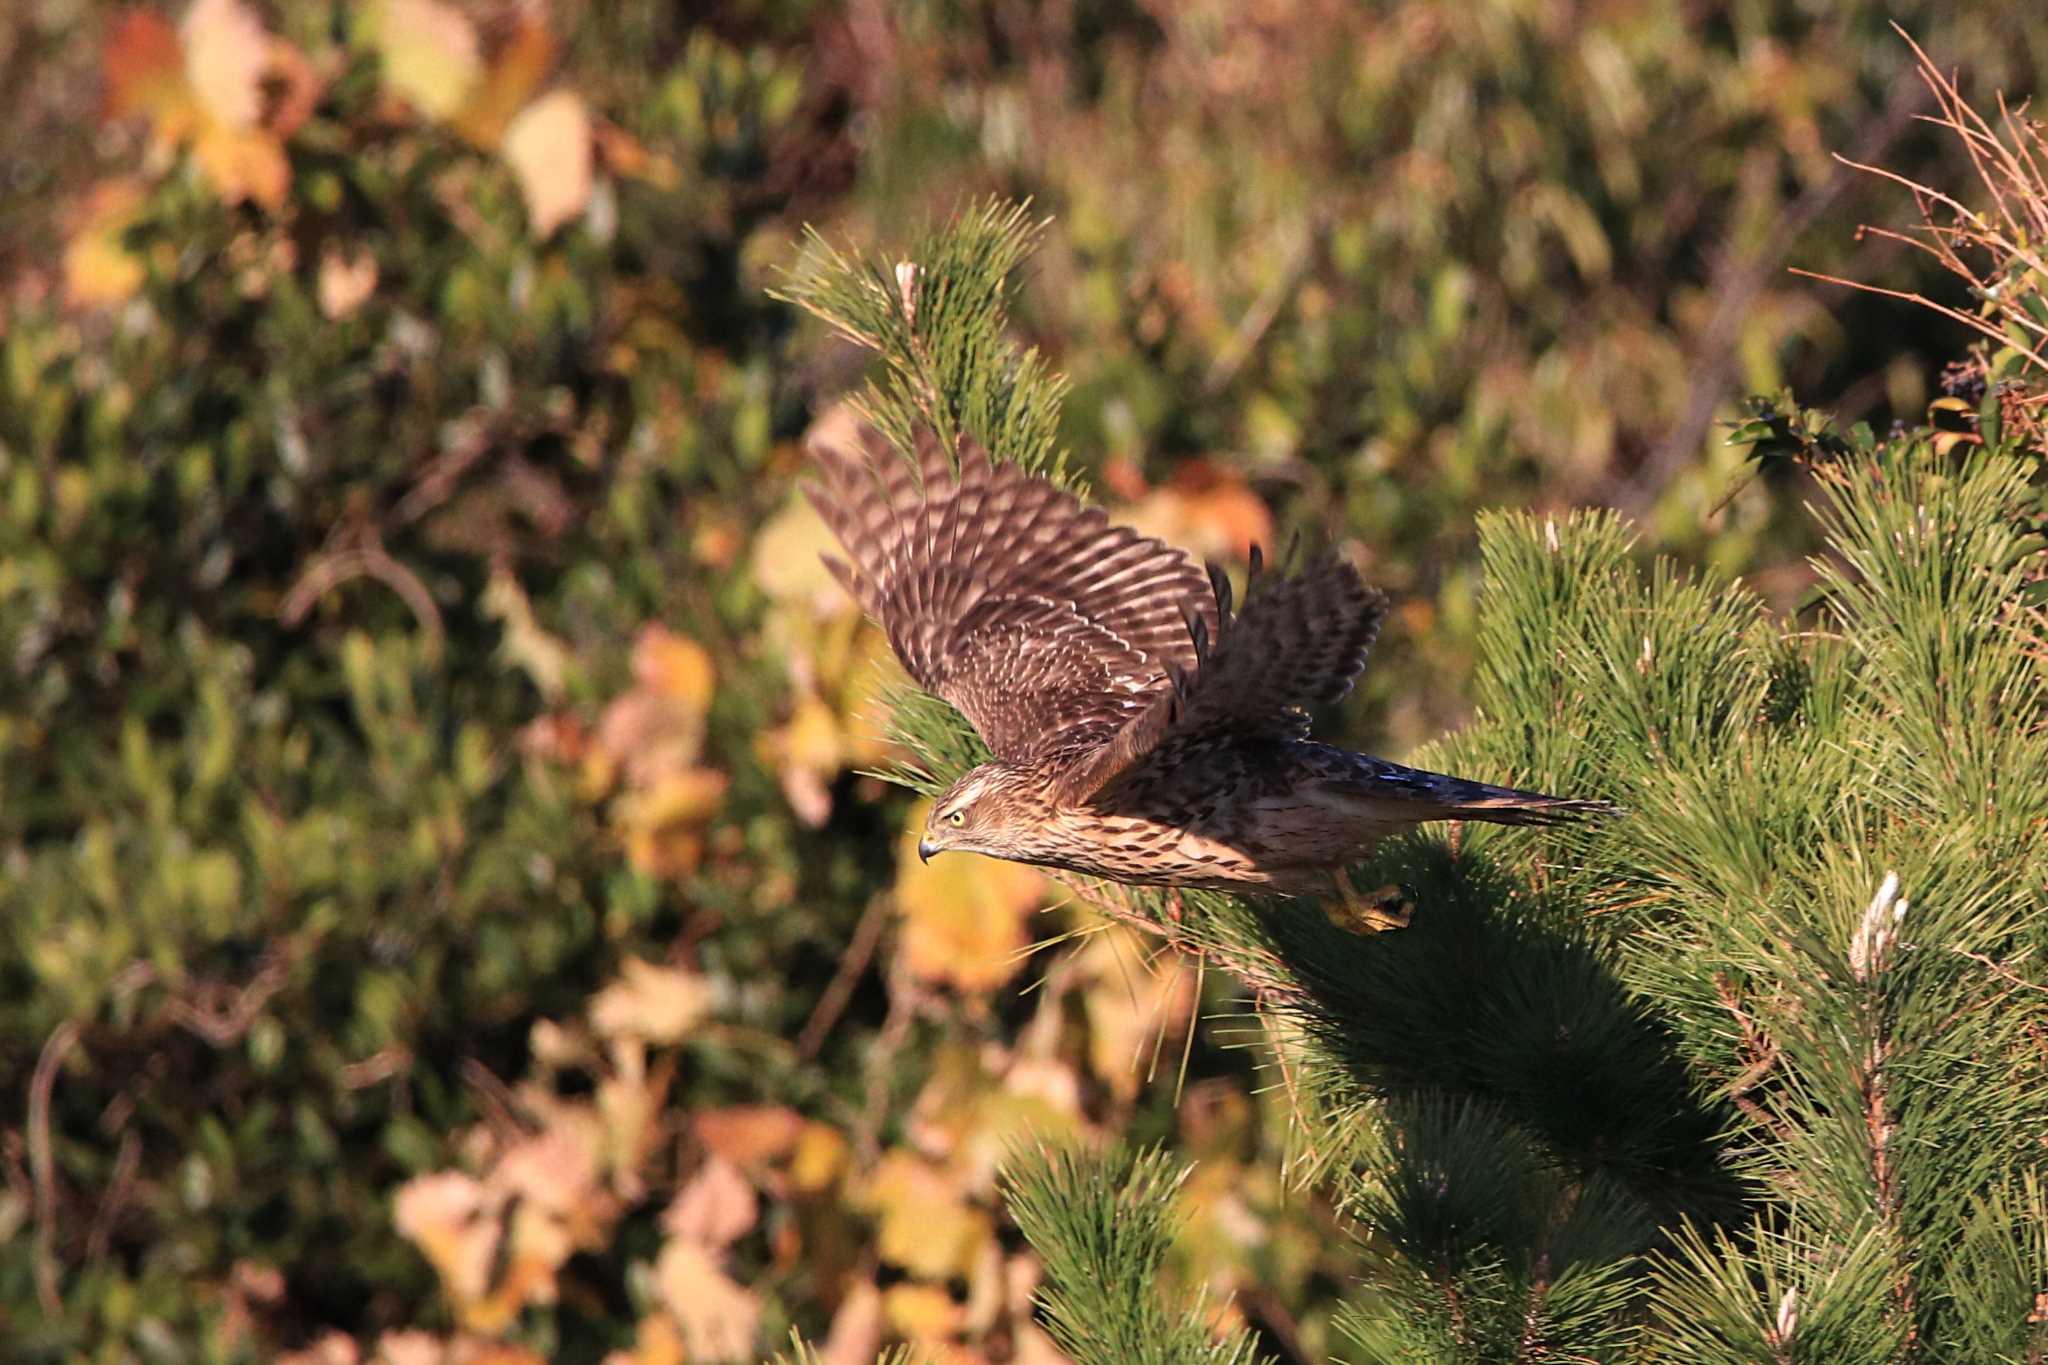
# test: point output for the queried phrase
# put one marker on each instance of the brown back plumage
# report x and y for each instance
(1061, 637)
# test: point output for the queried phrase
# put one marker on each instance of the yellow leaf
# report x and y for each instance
(659, 1004)
(926, 1224)
(1132, 997)
(525, 642)
(662, 827)
(788, 565)
(548, 147)
(922, 1312)
(673, 665)
(430, 52)
(514, 73)
(98, 269)
(964, 916)
(245, 163)
(820, 1157)
(717, 1316)
(449, 1217)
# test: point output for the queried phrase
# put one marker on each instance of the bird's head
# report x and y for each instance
(998, 809)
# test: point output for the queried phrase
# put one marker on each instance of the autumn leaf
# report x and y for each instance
(926, 1224)
(749, 1135)
(549, 150)
(921, 1312)
(788, 565)
(718, 1317)
(1136, 1000)
(345, 282)
(964, 916)
(449, 1217)
(656, 1341)
(514, 72)
(819, 1159)
(715, 1209)
(657, 1003)
(1207, 509)
(145, 70)
(98, 268)
(430, 53)
(226, 54)
(674, 666)
(203, 84)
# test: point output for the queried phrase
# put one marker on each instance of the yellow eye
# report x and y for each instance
(958, 817)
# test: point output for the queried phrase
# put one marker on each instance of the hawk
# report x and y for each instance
(1139, 729)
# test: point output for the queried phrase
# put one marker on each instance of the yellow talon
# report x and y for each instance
(1373, 912)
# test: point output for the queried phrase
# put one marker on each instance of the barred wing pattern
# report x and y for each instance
(1299, 640)
(1045, 626)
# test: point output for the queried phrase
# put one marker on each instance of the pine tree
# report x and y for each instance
(1758, 1072)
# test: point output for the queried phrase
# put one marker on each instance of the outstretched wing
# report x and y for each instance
(1048, 628)
(1299, 640)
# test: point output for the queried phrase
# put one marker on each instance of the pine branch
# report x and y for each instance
(1103, 1226)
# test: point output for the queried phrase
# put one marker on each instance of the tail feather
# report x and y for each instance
(1439, 796)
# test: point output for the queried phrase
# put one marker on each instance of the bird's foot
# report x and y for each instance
(1368, 912)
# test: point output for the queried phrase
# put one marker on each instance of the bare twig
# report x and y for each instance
(1738, 279)
(860, 950)
(42, 1162)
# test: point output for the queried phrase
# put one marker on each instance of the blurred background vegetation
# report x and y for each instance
(442, 911)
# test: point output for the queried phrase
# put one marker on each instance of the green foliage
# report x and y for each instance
(1104, 1225)
(320, 611)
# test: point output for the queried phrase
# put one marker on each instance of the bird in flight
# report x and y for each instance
(1139, 729)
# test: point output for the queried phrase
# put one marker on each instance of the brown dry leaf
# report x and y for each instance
(926, 1224)
(453, 1222)
(657, 1003)
(548, 148)
(335, 1348)
(98, 269)
(345, 283)
(1207, 509)
(550, 1182)
(430, 52)
(145, 73)
(964, 916)
(749, 1135)
(227, 54)
(411, 1347)
(716, 1208)
(656, 1341)
(718, 1317)
(855, 1337)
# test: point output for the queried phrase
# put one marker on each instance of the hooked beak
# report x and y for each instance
(925, 849)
